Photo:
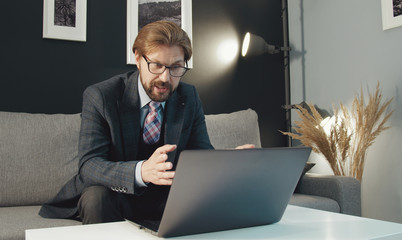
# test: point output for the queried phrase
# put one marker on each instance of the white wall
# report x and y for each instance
(337, 48)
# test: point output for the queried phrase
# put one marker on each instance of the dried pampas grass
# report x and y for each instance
(350, 134)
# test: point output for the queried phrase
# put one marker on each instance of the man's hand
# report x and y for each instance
(156, 169)
(245, 146)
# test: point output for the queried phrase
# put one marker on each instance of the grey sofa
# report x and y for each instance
(38, 154)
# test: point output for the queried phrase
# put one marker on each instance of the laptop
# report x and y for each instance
(215, 190)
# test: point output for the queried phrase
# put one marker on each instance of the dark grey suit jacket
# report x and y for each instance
(109, 138)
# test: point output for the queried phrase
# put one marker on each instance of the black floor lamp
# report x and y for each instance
(254, 45)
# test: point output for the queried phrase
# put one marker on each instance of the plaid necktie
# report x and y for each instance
(152, 124)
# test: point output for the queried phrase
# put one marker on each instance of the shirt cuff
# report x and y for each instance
(138, 177)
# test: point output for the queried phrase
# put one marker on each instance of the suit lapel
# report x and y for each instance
(129, 111)
(174, 122)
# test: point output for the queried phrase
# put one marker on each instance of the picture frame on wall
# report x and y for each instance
(65, 20)
(141, 12)
(391, 13)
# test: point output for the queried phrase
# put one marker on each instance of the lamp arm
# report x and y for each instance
(273, 49)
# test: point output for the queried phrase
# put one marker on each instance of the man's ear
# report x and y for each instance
(137, 58)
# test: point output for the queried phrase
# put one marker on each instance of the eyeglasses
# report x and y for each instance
(157, 68)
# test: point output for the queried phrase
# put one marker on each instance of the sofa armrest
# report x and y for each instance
(345, 190)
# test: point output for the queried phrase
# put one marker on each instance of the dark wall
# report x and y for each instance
(48, 76)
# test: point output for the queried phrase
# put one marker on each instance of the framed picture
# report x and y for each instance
(391, 13)
(65, 19)
(142, 12)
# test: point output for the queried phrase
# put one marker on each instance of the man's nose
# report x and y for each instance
(165, 76)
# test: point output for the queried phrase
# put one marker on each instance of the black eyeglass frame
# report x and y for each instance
(166, 67)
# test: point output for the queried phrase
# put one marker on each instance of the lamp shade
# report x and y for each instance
(254, 45)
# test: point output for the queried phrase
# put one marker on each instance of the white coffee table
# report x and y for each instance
(297, 223)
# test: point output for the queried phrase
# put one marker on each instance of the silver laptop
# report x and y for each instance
(215, 190)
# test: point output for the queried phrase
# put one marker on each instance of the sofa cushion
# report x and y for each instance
(233, 129)
(38, 154)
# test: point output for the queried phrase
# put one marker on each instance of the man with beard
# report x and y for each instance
(133, 128)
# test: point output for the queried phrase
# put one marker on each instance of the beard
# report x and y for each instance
(154, 95)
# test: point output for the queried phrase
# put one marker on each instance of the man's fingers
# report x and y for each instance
(168, 165)
(245, 146)
(165, 182)
(166, 148)
(168, 175)
(165, 178)
(160, 154)
(165, 166)
(161, 158)
(156, 169)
